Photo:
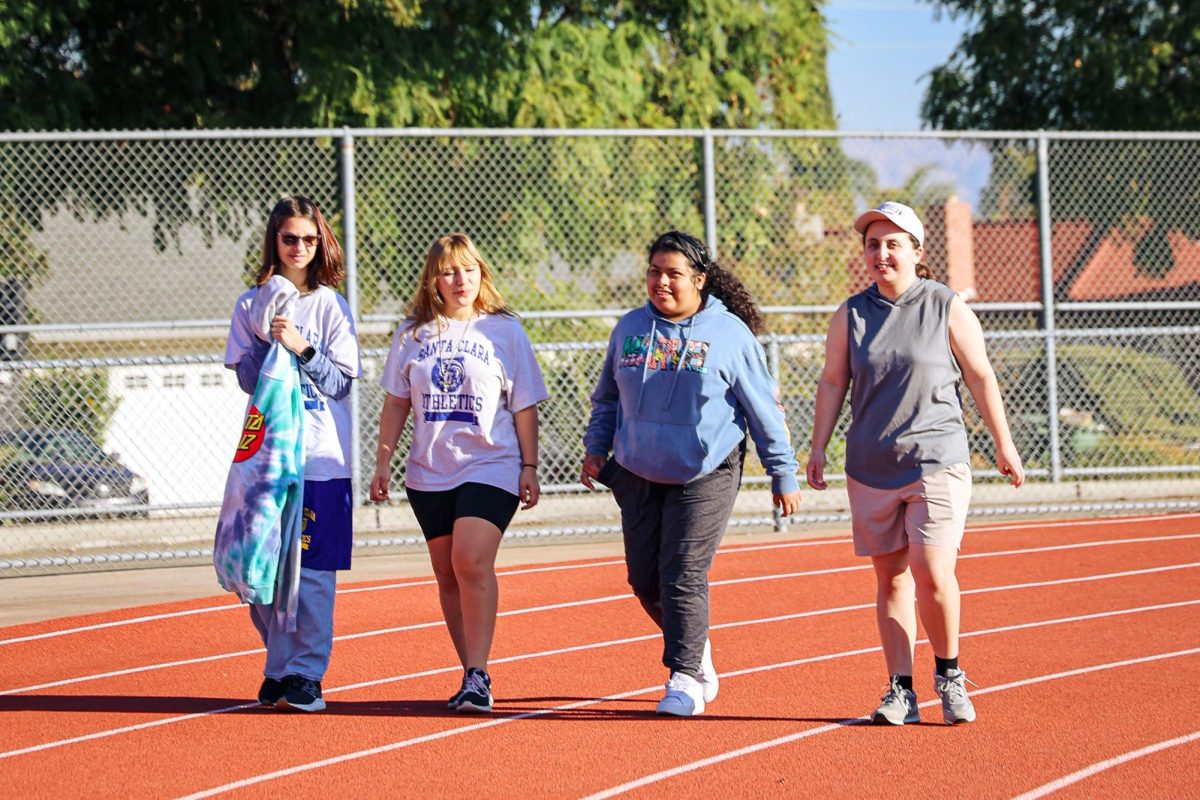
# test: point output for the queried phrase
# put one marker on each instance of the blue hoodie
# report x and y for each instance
(670, 419)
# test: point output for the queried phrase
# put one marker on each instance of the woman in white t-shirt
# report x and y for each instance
(463, 365)
(300, 246)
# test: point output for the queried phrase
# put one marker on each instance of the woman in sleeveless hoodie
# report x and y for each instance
(901, 347)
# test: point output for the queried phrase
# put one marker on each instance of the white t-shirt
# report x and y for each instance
(323, 317)
(465, 382)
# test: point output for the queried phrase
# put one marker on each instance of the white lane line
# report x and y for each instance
(728, 550)
(500, 573)
(811, 543)
(1080, 523)
(234, 606)
(387, 748)
(259, 650)
(117, 623)
(602, 645)
(1083, 579)
(593, 601)
(1079, 545)
(1108, 763)
(782, 740)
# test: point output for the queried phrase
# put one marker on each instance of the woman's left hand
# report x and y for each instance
(787, 504)
(1009, 464)
(283, 330)
(528, 489)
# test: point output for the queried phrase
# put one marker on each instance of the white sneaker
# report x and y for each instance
(684, 697)
(708, 674)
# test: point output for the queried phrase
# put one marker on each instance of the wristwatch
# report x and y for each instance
(307, 355)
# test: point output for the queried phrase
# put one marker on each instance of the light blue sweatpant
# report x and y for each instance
(305, 651)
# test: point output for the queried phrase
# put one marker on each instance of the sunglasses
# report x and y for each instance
(291, 240)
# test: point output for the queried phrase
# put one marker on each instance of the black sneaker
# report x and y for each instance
(476, 694)
(452, 704)
(270, 692)
(301, 694)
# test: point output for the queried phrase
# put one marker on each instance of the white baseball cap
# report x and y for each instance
(903, 216)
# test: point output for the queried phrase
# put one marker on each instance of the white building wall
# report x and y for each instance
(177, 426)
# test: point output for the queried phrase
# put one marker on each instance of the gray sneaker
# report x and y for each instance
(899, 706)
(952, 688)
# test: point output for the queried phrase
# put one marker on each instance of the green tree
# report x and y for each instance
(249, 63)
(1070, 65)
(1091, 66)
(433, 63)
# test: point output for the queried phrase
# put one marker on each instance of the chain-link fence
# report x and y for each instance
(121, 255)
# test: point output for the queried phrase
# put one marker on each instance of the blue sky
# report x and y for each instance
(881, 52)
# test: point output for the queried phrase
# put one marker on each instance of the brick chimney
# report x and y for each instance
(950, 244)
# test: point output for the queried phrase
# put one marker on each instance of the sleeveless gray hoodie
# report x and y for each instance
(906, 413)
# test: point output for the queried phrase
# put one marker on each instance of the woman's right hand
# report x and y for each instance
(592, 464)
(379, 486)
(815, 470)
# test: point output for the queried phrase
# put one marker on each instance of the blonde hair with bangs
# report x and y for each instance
(452, 250)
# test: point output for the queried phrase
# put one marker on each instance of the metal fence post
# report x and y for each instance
(1048, 302)
(710, 196)
(349, 250)
(775, 367)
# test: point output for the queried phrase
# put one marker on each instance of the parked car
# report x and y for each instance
(56, 470)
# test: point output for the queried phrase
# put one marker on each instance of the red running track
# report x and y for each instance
(1084, 638)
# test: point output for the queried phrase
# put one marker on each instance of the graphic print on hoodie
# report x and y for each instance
(636, 351)
(675, 398)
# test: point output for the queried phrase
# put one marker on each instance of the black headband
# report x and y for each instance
(689, 246)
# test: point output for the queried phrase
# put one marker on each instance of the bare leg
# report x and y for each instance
(440, 555)
(475, 542)
(938, 598)
(895, 611)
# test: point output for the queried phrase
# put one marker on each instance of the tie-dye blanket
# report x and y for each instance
(257, 548)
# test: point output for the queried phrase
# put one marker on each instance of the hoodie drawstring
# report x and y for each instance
(683, 345)
(646, 361)
(651, 343)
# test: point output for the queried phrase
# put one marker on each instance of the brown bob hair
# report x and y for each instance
(326, 268)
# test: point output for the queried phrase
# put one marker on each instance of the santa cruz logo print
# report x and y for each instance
(252, 436)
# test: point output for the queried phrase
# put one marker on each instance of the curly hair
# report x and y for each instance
(721, 283)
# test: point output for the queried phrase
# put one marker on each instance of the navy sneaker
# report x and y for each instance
(476, 693)
(270, 692)
(453, 702)
(301, 694)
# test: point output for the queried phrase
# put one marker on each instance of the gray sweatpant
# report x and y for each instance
(306, 651)
(671, 534)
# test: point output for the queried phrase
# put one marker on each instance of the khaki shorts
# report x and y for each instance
(929, 511)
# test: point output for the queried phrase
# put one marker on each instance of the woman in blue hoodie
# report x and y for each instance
(684, 380)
